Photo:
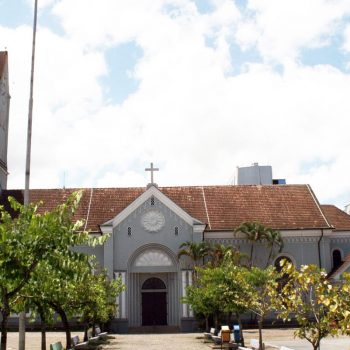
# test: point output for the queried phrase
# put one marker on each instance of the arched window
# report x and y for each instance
(337, 261)
(278, 262)
(153, 283)
(284, 278)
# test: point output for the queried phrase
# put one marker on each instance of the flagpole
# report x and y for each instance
(22, 316)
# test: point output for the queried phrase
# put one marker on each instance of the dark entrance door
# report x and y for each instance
(154, 307)
(154, 310)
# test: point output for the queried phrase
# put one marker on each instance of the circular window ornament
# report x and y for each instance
(153, 221)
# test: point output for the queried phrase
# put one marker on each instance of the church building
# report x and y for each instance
(147, 225)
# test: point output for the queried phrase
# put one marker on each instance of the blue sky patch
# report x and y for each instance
(331, 55)
(121, 61)
(14, 13)
(239, 57)
(312, 166)
(204, 6)
(241, 4)
(47, 19)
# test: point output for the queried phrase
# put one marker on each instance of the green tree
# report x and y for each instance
(202, 302)
(28, 239)
(219, 290)
(315, 303)
(260, 288)
(67, 285)
(204, 296)
(98, 299)
(229, 281)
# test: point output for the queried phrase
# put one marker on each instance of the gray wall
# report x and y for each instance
(125, 245)
(301, 246)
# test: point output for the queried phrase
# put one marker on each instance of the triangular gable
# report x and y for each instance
(156, 193)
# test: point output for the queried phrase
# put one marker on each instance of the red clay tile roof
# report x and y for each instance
(3, 60)
(336, 217)
(221, 207)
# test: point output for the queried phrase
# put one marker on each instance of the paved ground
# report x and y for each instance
(182, 341)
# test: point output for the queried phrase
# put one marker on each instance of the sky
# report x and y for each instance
(198, 87)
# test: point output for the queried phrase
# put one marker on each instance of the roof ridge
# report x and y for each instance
(206, 208)
(318, 205)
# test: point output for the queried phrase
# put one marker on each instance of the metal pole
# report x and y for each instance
(22, 316)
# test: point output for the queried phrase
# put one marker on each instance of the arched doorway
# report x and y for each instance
(154, 302)
(337, 260)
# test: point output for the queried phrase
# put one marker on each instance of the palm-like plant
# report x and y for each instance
(258, 233)
(274, 239)
(195, 251)
(254, 232)
(219, 253)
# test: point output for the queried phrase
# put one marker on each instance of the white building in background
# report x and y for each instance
(347, 209)
(257, 175)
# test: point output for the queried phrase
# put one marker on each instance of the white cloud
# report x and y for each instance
(282, 28)
(188, 115)
(346, 34)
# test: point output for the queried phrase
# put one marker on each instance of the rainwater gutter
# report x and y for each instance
(319, 248)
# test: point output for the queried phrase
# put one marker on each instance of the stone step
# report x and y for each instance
(153, 329)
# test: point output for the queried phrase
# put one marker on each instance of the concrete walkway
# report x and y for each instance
(194, 341)
(181, 341)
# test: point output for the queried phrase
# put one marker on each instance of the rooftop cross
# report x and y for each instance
(151, 169)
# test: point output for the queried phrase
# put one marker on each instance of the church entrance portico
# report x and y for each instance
(153, 291)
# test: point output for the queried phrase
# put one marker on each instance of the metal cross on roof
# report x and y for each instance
(151, 169)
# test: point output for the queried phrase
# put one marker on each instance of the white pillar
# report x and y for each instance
(184, 285)
(121, 299)
(190, 284)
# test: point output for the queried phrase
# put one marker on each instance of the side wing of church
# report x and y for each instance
(146, 226)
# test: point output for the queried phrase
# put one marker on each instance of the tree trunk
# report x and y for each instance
(240, 329)
(260, 321)
(216, 320)
(207, 323)
(43, 332)
(269, 257)
(251, 254)
(86, 332)
(5, 315)
(66, 327)
(317, 345)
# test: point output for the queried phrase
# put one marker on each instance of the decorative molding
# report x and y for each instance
(106, 229)
(340, 240)
(153, 257)
(158, 251)
(199, 228)
(153, 221)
